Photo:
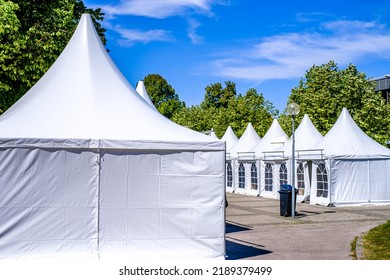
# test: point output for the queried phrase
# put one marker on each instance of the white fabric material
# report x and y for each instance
(230, 138)
(141, 90)
(353, 181)
(213, 135)
(87, 167)
(306, 136)
(84, 96)
(246, 143)
(357, 166)
(162, 202)
(347, 140)
(272, 140)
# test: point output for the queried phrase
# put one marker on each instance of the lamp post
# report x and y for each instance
(293, 110)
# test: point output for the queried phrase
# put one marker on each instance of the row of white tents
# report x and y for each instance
(341, 168)
(89, 168)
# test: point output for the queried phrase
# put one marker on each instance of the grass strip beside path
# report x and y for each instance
(376, 243)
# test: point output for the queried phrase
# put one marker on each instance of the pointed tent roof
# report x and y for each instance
(230, 138)
(84, 97)
(272, 140)
(246, 143)
(306, 136)
(141, 90)
(347, 140)
(213, 135)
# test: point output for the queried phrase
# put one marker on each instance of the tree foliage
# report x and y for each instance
(228, 109)
(326, 90)
(219, 97)
(32, 35)
(162, 95)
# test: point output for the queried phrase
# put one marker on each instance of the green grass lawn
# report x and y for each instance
(376, 243)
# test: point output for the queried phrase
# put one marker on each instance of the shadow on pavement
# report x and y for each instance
(230, 227)
(236, 251)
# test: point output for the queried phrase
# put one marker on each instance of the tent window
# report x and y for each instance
(300, 180)
(229, 173)
(241, 176)
(253, 177)
(283, 174)
(268, 177)
(322, 181)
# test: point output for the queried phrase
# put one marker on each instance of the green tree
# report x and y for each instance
(218, 96)
(32, 35)
(162, 95)
(240, 110)
(326, 90)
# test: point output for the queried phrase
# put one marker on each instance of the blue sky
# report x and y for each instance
(266, 45)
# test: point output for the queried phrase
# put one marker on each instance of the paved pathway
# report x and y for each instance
(255, 230)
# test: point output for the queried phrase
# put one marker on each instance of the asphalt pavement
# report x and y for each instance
(255, 230)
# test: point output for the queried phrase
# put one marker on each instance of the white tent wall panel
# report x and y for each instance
(380, 181)
(50, 204)
(252, 189)
(314, 199)
(49, 199)
(236, 166)
(360, 181)
(182, 207)
(307, 169)
(275, 177)
(232, 164)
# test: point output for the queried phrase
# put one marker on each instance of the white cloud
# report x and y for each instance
(130, 37)
(192, 34)
(158, 8)
(288, 56)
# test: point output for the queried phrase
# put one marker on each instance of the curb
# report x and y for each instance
(359, 247)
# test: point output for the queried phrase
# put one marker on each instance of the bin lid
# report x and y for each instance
(286, 189)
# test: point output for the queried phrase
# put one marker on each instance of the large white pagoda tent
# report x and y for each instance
(354, 170)
(87, 167)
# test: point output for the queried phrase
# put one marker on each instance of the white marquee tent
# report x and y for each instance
(355, 169)
(242, 157)
(87, 167)
(271, 164)
(306, 136)
(230, 138)
(213, 135)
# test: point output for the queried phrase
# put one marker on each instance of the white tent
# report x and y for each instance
(243, 158)
(231, 139)
(87, 167)
(306, 136)
(272, 167)
(141, 90)
(355, 169)
(213, 135)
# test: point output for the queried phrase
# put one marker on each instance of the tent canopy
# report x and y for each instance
(230, 138)
(84, 97)
(347, 140)
(272, 140)
(246, 143)
(141, 90)
(306, 136)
